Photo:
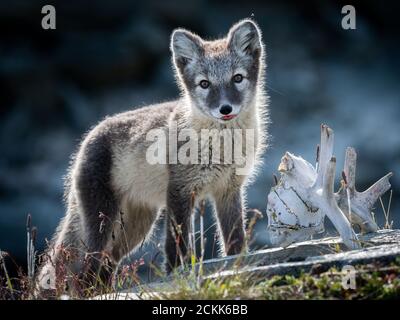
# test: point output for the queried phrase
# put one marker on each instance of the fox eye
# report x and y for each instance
(204, 84)
(238, 78)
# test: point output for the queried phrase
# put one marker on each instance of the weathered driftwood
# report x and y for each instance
(304, 195)
(300, 251)
(383, 254)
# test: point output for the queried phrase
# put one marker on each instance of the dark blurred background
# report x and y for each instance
(111, 56)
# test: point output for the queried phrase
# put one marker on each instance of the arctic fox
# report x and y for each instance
(114, 195)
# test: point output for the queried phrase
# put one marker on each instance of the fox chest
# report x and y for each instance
(207, 179)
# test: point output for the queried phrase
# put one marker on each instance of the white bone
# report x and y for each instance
(304, 195)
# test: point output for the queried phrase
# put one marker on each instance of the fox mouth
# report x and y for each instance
(228, 117)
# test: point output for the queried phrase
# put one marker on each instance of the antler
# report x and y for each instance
(361, 203)
(323, 190)
(325, 153)
(304, 195)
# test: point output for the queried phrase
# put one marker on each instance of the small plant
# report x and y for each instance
(7, 277)
(386, 212)
(30, 247)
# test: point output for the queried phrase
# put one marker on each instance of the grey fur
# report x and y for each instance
(111, 176)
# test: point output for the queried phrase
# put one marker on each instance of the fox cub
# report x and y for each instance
(114, 194)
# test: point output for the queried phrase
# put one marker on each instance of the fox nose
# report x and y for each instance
(225, 109)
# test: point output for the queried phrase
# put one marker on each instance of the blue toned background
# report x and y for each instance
(110, 56)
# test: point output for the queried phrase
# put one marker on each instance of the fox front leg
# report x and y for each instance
(177, 224)
(229, 207)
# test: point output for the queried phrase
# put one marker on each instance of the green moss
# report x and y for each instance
(372, 282)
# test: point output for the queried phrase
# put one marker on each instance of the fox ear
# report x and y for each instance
(245, 38)
(185, 47)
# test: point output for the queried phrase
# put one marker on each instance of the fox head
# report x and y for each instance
(220, 77)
